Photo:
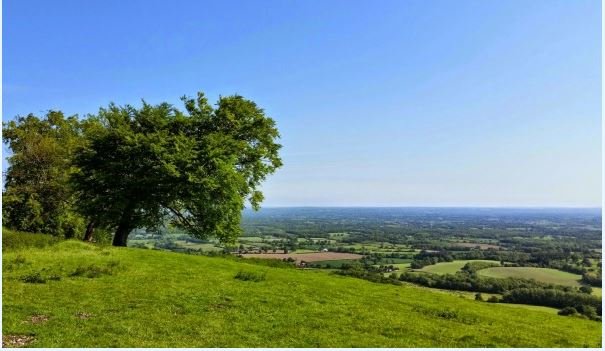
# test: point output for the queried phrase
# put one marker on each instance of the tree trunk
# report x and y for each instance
(121, 236)
(89, 231)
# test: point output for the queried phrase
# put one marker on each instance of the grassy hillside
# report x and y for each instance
(124, 297)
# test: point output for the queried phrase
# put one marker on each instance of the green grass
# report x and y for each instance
(13, 240)
(149, 298)
(198, 246)
(402, 266)
(450, 267)
(597, 291)
(545, 275)
(531, 307)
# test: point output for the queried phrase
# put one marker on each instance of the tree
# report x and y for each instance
(37, 195)
(586, 289)
(567, 311)
(195, 169)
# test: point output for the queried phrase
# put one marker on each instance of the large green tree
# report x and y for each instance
(195, 168)
(37, 195)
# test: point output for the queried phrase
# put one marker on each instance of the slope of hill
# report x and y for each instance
(73, 294)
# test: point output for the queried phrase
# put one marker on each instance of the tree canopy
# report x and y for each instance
(127, 167)
(195, 168)
(37, 195)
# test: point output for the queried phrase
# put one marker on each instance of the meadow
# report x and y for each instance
(545, 275)
(75, 294)
(450, 267)
(306, 256)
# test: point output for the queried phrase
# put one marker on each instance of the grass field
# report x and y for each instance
(545, 275)
(307, 257)
(450, 267)
(125, 297)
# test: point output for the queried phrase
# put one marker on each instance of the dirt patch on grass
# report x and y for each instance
(38, 319)
(84, 315)
(308, 257)
(16, 340)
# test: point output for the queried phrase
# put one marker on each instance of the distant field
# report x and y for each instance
(545, 275)
(257, 239)
(198, 246)
(450, 267)
(333, 263)
(482, 246)
(308, 257)
(402, 265)
(299, 251)
(402, 268)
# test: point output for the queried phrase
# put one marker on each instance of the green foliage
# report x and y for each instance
(156, 163)
(37, 196)
(593, 278)
(471, 282)
(474, 266)
(585, 304)
(568, 311)
(493, 299)
(33, 278)
(251, 276)
(93, 271)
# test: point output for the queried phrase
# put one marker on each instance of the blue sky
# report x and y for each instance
(380, 103)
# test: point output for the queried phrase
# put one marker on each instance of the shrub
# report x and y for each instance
(33, 278)
(568, 311)
(94, 271)
(250, 276)
(55, 277)
(19, 260)
(493, 299)
(447, 314)
(588, 311)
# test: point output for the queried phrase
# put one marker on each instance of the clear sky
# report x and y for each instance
(380, 103)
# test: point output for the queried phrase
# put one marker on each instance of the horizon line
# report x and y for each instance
(438, 206)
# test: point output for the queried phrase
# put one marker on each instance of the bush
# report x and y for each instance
(587, 305)
(94, 271)
(250, 276)
(55, 277)
(586, 289)
(33, 278)
(568, 311)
